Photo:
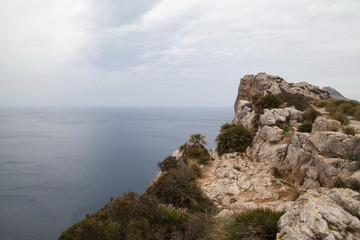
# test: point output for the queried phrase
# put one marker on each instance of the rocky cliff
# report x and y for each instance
(283, 162)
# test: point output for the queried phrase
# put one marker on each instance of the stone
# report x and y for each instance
(244, 114)
(271, 134)
(316, 215)
(323, 124)
(271, 117)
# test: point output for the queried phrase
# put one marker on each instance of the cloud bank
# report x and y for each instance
(175, 53)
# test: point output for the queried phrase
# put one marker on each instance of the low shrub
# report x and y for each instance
(195, 150)
(339, 183)
(347, 108)
(349, 131)
(340, 117)
(168, 163)
(305, 127)
(310, 115)
(178, 187)
(357, 114)
(234, 138)
(321, 103)
(297, 100)
(267, 101)
(250, 224)
(283, 125)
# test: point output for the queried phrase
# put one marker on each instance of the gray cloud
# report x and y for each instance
(171, 52)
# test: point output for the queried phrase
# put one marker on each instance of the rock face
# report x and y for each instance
(322, 214)
(261, 84)
(333, 93)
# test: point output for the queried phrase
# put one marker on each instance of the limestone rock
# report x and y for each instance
(318, 215)
(244, 114)
(271, 134)
(324, 124)
(270, 117)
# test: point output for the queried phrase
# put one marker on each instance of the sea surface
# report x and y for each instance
(58, 164)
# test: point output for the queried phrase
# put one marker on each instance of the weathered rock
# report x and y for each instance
(244, 114)
(318, 215)
(271, 117)
(324, 124)
(271, 134)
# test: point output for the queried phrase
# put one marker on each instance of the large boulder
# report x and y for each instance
(271, 117)
(244, 114)
(323, 124)
(323, 214)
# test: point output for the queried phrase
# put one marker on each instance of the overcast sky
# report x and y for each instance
(171, 52)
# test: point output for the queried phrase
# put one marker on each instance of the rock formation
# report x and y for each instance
(334, 93)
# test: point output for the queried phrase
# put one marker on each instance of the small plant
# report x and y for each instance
(336, 164)
(195, 150)
(349, 131)
(283, 125)
(297, 100)
(167, 164)
(305, 127)
(357, 114)
(250, 224)
(310, 115)
(321, 103)
(233, 200)
(233, 139)
(340, 117)
(354, 211)
(237, 168)
(276, 173)
(339, 183)
(268, 101)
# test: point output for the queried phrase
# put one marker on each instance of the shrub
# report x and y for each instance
(167, 164)
(283, 125)
(250, 224)
(178, 187)
(198, 153)
(349, 131)
(347, 108)
(321, 103)
(297, 100)
(129, 217)
(340, 117)
(305, 127)
(310, 115)
(357, 114)
(233, 139)
(331, 107)
(267, 101)
(338, 183)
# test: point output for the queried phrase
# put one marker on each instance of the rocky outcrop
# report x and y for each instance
(322, 214)
(323, 124)
(333, 93)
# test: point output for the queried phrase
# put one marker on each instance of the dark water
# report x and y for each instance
(58, 164)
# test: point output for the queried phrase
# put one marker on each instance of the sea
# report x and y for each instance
(59, 164)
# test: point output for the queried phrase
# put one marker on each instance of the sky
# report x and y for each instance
(170, 52)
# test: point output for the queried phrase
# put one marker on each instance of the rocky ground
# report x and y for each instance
(235, 183)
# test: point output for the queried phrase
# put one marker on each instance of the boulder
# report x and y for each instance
(271, 117)
(323, 124)
(321, 214)
(271, 134)
(244, 114)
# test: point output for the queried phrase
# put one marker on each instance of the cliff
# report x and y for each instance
(307, 173)
(287, 167)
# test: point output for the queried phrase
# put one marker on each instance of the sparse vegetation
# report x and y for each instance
(283, 125)
(310, 115)
(195, 150)
(178, 187)
(340, 117)
(167, 164)
(267, 101)
(297, 100)
(349, 131)
(305, 127)
(321, 103)
(276, 173)
(251, 224)
(237, 168)
(339, 183)
(233, 138)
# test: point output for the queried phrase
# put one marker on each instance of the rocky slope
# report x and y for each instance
(305, 163)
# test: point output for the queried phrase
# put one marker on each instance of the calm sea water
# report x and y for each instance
(57, 164)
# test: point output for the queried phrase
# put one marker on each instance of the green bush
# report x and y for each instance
(283, 125)
(310, 115)
(233, 139)
(297, 100)
(321, 103)
(305, 127)
(167, 164)
(357, 113)
(340, 117)
(349, 131)
(256, 224)
(178, 187)
(347, 108)
(130, 217)
(268, 101)
(195, 150)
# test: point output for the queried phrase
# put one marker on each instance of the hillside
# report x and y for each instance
(287, 167)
